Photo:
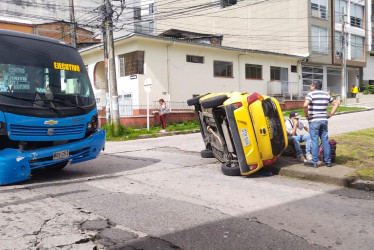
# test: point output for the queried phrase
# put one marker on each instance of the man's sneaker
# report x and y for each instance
(311, 164)
(309, 157)
(301, 158)
(328, 165)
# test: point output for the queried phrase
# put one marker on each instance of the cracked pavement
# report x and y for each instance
(33, 221)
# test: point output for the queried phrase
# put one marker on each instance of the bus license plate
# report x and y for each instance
(59, 155)
(245, 137)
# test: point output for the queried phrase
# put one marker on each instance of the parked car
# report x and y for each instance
(244, 131)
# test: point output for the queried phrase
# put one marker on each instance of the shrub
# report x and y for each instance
(369, 89)
(115, 131)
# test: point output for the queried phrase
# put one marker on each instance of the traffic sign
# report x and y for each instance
(147, 85)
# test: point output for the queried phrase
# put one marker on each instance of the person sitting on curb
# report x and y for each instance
(292, 125)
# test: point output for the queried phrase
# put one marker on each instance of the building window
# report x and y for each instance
(151, 8)
(253, 71)
(138, 28)
(227, 3)
(223, 69)
(131, 63)
(310, 74)
(293, 68)
(194, 59)
(319, 40)
(357, 47)
(319, 8)
(137, 14)
(339, 5)
(275, 73)
(357, 13)
(151, 26)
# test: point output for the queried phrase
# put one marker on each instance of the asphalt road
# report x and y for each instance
(162, 193)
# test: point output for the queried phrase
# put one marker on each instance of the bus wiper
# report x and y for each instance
(66, 103)
(34, 102)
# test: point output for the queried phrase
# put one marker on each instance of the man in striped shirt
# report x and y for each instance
(315, 109)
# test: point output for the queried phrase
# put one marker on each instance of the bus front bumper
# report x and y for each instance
(16, 165)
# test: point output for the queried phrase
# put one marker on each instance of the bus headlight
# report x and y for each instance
(92, 125)
(3, 130)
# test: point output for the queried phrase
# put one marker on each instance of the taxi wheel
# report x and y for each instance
(214, 101)
(193, 101)
(230, 169)
(206, 153)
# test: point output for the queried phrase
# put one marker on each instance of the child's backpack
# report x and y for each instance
(332, 143)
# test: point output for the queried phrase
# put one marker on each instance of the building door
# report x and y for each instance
(284, 79)
(125, 104)
(334, 80)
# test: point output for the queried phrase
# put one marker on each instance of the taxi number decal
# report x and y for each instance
(245, 137)
(269, 128)
(66, 66)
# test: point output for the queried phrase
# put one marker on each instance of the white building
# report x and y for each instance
(180, 70)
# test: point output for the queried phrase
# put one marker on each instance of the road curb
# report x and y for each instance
(336, 175)
(343, 181)
(362, 185)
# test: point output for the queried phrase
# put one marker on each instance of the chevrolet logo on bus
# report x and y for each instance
(50, 122)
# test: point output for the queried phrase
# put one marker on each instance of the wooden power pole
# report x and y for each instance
(112, 78)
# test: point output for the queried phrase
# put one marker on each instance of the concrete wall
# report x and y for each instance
(154, 119)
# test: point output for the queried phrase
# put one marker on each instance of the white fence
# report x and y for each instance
(284, 90)
(127, 109)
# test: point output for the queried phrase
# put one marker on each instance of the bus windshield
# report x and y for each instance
(32, 75)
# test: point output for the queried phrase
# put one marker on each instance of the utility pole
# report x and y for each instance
(112, 78)
(73, 33)
(104, 95)
(344, 61)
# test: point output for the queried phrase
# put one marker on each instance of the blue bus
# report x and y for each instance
(48, 114)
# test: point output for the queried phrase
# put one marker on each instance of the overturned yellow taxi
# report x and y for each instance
(245, 131)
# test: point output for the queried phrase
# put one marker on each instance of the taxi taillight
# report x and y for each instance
(254, 97)
(237, 105)
(269, 162)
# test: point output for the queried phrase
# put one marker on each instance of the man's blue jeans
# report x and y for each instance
(302, 138)
(319, 129)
